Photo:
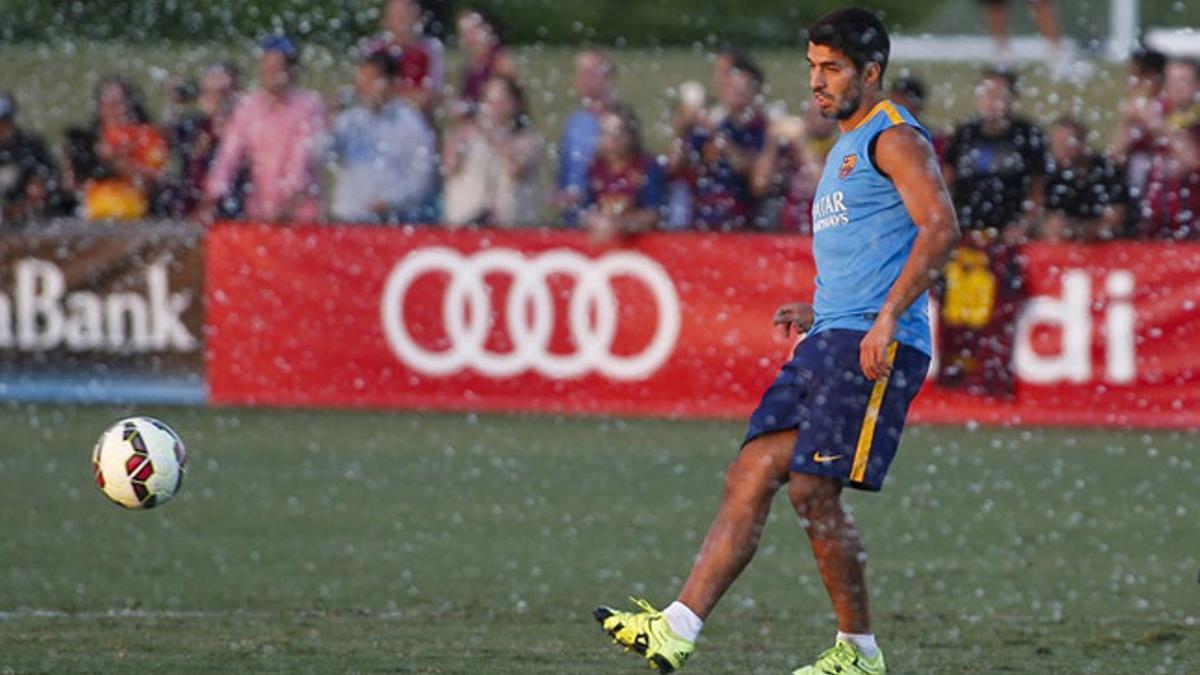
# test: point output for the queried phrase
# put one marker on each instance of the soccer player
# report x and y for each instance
(883, 228)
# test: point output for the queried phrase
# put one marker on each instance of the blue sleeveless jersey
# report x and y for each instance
(863, 235)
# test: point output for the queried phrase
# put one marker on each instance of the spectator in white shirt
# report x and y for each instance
(492, 162)
(385, 151)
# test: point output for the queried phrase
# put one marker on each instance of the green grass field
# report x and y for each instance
(336, 542)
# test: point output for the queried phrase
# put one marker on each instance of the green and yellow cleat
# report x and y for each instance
(844, 659)
(647, 633)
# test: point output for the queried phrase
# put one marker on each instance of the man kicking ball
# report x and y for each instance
(883, 228)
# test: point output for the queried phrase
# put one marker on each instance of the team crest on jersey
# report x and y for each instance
(848, 164)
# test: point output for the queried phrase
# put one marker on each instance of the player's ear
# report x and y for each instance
(873, 73)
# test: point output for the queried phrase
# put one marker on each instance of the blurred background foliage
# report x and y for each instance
(153, 41)
(632, 22)
(552, 22)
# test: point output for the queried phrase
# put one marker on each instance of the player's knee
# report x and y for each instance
(814, 498)
(802, 500)
(750, 476)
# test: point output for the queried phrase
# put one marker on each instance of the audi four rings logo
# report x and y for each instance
(529, 311)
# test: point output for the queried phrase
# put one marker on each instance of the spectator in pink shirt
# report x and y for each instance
(279, 132)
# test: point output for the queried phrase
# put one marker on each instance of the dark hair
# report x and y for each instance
(133, 98)
(382, 62)
(633, 126)
(490, 19)
(230, 68)
(284, 45)
(1006, 75)
(185, 90)
(856, 32)
(1074, 124)
(911, 87)
(740, 59)
(1148, 61)
(523, 119)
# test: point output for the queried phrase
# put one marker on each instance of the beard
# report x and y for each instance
(849, 104)
(844, 107)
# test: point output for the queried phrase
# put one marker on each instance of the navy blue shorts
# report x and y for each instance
(848, 426)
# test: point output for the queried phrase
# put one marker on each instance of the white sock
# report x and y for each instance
(683, 621)
(865, 643)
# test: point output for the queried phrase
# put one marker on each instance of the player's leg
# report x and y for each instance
(762, 466)
(768, 454)
(1045, 17)
(855, 428)
(1061, 57)
(751, 482)
(837, 547)
(667, 638)
(996, 18)
(838, 550)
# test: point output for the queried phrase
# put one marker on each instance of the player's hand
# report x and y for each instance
(872, 351)
(797, 315)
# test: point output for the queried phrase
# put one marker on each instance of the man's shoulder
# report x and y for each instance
(748, 129)
(252, 103)
(246, 101)
(1099, 164)
(972, 126)
(402, 114)
(1025, 129)
(899, 144)
(582, 119)
(1023, 122)
(902, 132)
(25, 140)
(23, 136)
(353, 116)
(309, 99)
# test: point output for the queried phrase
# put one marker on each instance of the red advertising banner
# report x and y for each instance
(670, 325)
(1108, 337)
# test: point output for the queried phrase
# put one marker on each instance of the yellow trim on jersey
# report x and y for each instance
(866, 436)
(892, 113)
(887, 107)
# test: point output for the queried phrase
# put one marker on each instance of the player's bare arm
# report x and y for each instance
(904, 154)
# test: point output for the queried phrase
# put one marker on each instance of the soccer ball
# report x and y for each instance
(139, 463)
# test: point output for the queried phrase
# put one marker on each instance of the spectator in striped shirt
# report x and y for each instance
(624, 193)
(1170, 207)
(419, 59)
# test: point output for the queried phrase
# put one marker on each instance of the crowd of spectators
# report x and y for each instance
(409, 149)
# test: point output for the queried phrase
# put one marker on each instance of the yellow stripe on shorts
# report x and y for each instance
(866, 436)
